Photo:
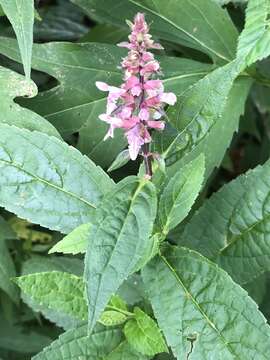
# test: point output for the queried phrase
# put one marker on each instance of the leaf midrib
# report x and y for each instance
(39, 179)
(209, 322)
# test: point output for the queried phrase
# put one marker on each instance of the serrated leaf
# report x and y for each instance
(21, 15)
(143, 334)
(212, 33)
(254, 41)
(112, 318)
(56, 290)
(76, 344)
(37, 264)
(119, 238)
(231, 228)
(179, 194)
(73, 243)
(37, 180)
(125, 352)
(197, 304)
(74, 104)
(13, 85)
(121, 160)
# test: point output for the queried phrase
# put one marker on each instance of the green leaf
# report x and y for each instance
(179, 194)
(37, 264)
(13, 85)
(118, 240)
(197, 304)
(254, 41)
(75, 242)
(231, 227)
(76, 344)
(37, 180)
(112, 318)
(74, 104)
(121, 160)
(7, 271)
(144, 335)
(106, 34)
(56, 290)
(22, 339)
(21, 15)
(125, 352)
(212, 33)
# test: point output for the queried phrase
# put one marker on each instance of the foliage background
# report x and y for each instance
(74, 47)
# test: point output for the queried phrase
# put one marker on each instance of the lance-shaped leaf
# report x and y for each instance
(213, 31)
(37, 180)
(75, 242)
(13, 85)
(119, 238)
(179, 194)
(76, 344)
(201, 311)
(231, 228)
(74, 104)
(254, 41)
(21, 15)
(144, 335)
(55, 290)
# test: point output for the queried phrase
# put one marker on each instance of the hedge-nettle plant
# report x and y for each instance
(148, 264)
(138, 105)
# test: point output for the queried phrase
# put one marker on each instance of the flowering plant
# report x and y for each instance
(139, 103)
(103, 258)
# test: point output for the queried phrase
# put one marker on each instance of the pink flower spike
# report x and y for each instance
(168, 98)
(138, 105)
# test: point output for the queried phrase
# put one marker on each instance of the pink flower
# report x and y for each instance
(138, 104)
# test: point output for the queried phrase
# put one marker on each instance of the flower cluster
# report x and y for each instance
(138, 105)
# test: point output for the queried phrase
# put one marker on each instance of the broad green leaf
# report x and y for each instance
(21, 15)
(227, 125)
(74, 104)
(254, 41)
(213, 31)
(73, 243)
(37, 180)
(118, 240)
(179, 194)
(121, 160)
(144, 335)
(231, 227)
(56, 290)
(13, 85)
(76, 344)
(201, 311)
(125, 352)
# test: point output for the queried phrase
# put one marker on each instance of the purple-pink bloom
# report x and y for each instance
(138, 104)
